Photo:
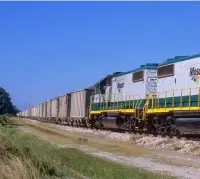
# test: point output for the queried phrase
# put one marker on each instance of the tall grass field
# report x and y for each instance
(24, 156)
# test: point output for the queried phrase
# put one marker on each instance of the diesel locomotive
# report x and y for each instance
(154, 98)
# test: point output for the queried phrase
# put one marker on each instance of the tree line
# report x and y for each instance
(6, 106)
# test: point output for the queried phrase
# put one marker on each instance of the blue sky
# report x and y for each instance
(50, 48)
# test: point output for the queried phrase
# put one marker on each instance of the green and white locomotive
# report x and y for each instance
(119, 98)
(157, 98)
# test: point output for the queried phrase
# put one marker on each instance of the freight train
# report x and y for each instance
(154, 98)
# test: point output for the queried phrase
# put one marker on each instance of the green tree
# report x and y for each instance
(6, 106)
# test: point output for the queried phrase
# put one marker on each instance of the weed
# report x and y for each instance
(80, 139)
(85, 140)
(177, 148)
(15, 167)
(195, 148)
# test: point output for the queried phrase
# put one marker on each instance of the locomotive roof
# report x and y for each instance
(142, 67)
(153, 65)
(178, 59)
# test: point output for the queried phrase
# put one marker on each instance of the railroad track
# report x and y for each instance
(193, 137)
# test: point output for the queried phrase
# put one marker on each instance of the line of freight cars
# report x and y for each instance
(71, 108)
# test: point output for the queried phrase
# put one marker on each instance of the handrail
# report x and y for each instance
(173, 101)
(145, 107)
(137, 101)
(116, 103)
(199, 98)
(165, 99)
(189, 98)
(170, 98)
(138, 108)
(173, 94)
(181, 100)
(140, 102)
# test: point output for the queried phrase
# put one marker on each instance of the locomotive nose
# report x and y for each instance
(188, 125)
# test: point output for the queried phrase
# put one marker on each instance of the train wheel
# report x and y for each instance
(170, 126)
(130, 124)
(155, 126)
(140, 127)
(92, 123)
(163, 126)
(159, 126)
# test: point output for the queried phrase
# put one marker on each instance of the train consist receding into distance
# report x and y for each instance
(155, 98)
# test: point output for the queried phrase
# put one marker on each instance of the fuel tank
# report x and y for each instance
(188, 125)
(109, 122)
(113, 122)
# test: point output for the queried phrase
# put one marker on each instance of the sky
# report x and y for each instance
(51, 48)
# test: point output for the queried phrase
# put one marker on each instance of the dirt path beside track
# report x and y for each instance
(120, 148)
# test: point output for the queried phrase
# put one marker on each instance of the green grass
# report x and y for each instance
(50, 161)
(50, 133)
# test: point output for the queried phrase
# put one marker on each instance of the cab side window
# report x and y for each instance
(138, 76)
(165, 71)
